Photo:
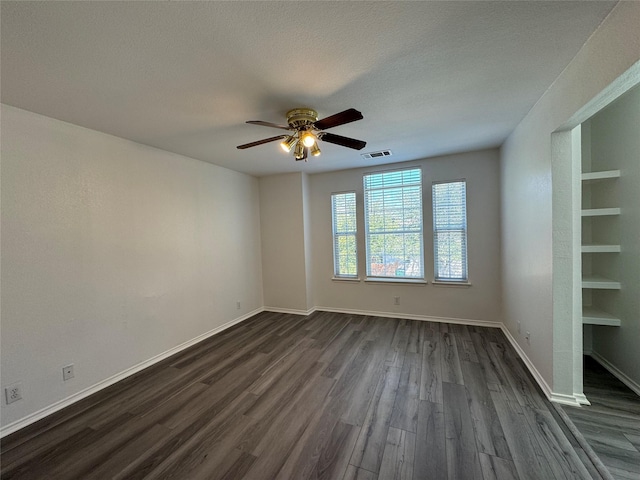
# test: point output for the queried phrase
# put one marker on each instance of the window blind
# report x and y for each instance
(345, 258)
(393, 223)
(450, 230)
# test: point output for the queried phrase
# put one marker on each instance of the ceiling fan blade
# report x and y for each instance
(343, 141)
(260, 142)
(269, 124)
(341, 118)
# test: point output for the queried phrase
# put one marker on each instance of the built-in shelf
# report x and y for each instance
(600, 283)
(594, 176)
(599, 212)
(593, 316)
(598, 248)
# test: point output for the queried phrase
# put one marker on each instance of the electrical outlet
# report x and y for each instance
(13, 392)
(67, 372)
(238, 305)
(396, 300)
(528, 337)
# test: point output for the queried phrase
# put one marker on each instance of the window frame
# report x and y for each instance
(334, 235)
(464, 280)
(367, 233)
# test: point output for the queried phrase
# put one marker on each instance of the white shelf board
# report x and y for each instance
(593, 176)
(599, 283)
(598, 212)
(598, 248)
(593, 316)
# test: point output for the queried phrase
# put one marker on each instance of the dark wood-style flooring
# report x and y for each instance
(328, 396)
(611, 424)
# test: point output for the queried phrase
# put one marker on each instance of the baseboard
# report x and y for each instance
(582, 399)
(616, 372)
(574, 400)
(59, 405)
(409, 316)
(291, 311)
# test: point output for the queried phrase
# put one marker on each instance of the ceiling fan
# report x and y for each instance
(306, 130)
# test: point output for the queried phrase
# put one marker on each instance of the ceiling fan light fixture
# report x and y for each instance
(308, 139)
(299, 151)
(288, 143)
(315, 150)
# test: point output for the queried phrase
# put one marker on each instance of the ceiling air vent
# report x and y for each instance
(381, 153)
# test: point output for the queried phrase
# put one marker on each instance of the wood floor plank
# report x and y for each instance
(369, 447)
(496, 468)
(398, 457)
(488, 431)
(430, 455)
(431, 372)
(463, 461)
(466, 349)
(334, 457)
(304, 456)
(130, 453)
(554, 445)
(451, 371)
(399, 344)
(416, 337)
(355, 473)
(524, 389)
(523, 443)
(357, 403)
(405, 408)
(272, 449)
(634, 440)
(338, 361)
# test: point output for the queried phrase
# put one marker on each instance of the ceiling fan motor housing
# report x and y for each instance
(300, 117)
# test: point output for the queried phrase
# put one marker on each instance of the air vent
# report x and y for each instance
(381, 153)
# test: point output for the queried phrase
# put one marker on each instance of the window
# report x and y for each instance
(343, 210)
(393, 223)
(450, 231)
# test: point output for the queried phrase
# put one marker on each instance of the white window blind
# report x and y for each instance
(345, 259)
(450, 231)
(393, 223)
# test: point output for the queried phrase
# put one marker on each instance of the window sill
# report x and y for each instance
(395, 281)
(451, 284)
(345, 279)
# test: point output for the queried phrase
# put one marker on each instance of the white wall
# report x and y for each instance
(113, 253)
(480, 301)
(615, 144)
(284, 264)
(526, 187)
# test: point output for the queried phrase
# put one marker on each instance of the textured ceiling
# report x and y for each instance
(431, 78)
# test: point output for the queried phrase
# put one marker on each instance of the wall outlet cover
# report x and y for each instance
(13, 392)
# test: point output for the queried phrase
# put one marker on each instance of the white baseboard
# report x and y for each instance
(582, 400)
(65, 402)
(616, 372)
(291, 311)
(574, 400)
(409, 316)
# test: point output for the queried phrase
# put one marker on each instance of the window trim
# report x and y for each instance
(336, 275)
(394, 279)
(447, 281)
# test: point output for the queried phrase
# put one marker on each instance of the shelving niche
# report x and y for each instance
(600, 246)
